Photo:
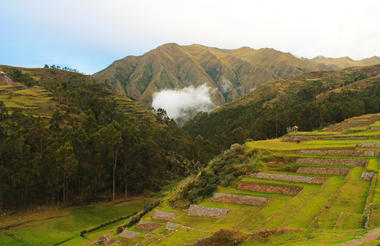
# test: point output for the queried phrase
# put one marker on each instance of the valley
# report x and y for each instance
(189, 123)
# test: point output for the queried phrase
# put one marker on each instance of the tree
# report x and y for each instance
(111, 137)
(67, 161)
(3, 111)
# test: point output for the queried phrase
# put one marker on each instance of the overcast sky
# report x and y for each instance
(90, 34)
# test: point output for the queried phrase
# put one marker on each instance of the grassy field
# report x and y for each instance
(52, 226)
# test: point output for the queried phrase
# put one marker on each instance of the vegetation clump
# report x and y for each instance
(221, 171)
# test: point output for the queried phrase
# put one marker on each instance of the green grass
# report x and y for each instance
(373, 165)
(376, 124)
(66, 224)
(355, 129)
(278, 145)
(345, 211)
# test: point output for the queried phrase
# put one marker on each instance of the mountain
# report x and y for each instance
(345, 62)
(309, 100)
(67, 139)
(233, 73)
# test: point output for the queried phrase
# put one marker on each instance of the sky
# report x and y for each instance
(90, 34)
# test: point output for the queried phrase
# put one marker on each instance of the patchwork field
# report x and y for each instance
(321, 191)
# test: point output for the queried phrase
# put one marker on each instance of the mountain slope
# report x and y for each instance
(309, 100)
(65, 139)
(234, 73)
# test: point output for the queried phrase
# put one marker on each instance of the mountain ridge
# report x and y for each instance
(232, 72)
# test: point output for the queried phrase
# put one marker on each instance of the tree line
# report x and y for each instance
(90, 149)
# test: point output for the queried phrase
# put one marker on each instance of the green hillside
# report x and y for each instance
(321, 191)
(66, 139)
(234, 73)
(310, 101)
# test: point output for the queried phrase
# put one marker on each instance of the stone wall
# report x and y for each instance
(289, 178)
(324, 170)
(340, 152)
(331, 162)
(129, 234)
(210, 212)
(270, 188)
(171, 226)
(248, 200)
(161, 215)
(368, 145)
(148, 225)
(367, 175)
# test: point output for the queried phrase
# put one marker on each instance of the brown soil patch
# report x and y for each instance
(210, 212)
(161, 215)
(148, 225)
(368, 145)
(340, 152)
(129, 234)
(277, 160)
(248, 200)
(332, 162)
(270, 188)
(289, 178)
(323, 170)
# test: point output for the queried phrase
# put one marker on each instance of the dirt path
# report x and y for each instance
(368, 237)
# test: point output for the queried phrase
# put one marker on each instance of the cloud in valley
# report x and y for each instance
(183, 103)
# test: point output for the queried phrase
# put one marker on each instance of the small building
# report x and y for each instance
(295, 128)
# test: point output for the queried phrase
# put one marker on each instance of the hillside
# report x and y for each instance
(234, 73)
(66, 139)
(321, 191)
(309, 100)
(345, 62)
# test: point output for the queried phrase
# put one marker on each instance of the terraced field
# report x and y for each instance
(322, 191)
(34, 100)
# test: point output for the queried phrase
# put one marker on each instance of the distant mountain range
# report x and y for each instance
(309, 100)
(345, 62)
(231, 73)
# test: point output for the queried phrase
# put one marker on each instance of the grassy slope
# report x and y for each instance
(54, 226)
(35, 100)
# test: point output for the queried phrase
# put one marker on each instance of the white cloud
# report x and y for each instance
(183, 103)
